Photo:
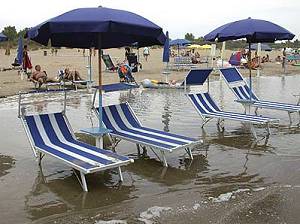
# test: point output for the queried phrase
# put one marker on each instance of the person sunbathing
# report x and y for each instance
(72, 75)
(38, 76)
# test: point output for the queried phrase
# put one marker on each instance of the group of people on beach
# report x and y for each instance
(40, 77)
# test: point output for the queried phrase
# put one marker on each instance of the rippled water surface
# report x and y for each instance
(228, 177)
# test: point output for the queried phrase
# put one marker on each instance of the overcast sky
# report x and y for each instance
(178, 17)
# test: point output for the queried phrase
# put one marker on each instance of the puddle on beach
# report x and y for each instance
(230, 180)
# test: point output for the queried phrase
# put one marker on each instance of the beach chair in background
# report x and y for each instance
(241, 90)
(182, 63)
(109, 63)
(62, 83)
(51, 134)
(125, 125)
(208, 109)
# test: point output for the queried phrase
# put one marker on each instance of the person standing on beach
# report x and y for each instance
(284, 60)
(26, 60)
(146, 53)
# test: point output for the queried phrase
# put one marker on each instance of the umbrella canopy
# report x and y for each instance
(205, 46)
(3, 37)
(166, 52)
(194, 46)
(179, 42)
(100, 28)
(264, 47)
(254, 30)
(80, 28)
(20, 51)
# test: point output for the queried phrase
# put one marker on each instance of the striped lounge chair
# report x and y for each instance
(241, 90)
(208, 108)
(51, 134)
(125, 125)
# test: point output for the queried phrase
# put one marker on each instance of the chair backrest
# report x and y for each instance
(231, 74)
(48, 126)
(204, 103)
(119, 115)
(237, 84)
(197, 76)
(108, 62)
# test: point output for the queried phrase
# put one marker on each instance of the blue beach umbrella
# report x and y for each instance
(253, 30)
(101, 28)
(179, 43)
(3, 37)
(20, 51)
(166, 52)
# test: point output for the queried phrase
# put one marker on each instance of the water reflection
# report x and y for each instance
(153, 171)
(6, 163)
(166, 116)
(60, 192)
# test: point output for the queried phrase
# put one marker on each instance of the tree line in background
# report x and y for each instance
(13, 35)
(237, 44)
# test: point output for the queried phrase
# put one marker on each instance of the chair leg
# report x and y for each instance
(253, 131)
(189, 152)
(138, 150)
(83, 182)
(164, 160)
(255, 111)
(205, 121)
(120, 174)
(290, 118)
(40, 157)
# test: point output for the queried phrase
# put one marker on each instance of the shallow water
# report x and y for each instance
(230, 180)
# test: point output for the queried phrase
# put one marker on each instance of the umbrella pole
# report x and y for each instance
(250, 75)
(100, 81)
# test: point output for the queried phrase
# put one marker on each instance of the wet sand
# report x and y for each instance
(11, 83)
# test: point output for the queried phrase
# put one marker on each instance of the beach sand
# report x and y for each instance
(11, 83)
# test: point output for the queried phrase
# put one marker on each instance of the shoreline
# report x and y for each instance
(11, 83)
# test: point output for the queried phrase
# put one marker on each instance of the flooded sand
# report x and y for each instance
(230, 180)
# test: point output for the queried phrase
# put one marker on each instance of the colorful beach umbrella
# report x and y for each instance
(100, 28)
(253, 30)
(205, 46)
(3, 37)
(194, 46)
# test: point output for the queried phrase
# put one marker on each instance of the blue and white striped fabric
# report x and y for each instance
(51, 135)
(241, 90)
(207, 107)
(124, 124)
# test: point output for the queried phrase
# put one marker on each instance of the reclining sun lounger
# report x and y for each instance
(109, 63)
(240, 88)
(125, 125)
(51, 134)
(208, 108)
